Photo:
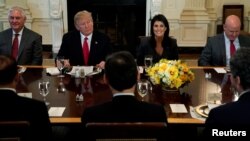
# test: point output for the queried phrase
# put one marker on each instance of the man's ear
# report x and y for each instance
(17, 78)
(138, 75)
(105, 79)
(237, 81)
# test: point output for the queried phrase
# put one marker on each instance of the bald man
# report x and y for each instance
(217, 50)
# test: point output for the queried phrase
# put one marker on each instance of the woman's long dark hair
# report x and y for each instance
(166, 39)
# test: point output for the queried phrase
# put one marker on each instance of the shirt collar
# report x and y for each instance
(11, 89)
(20, 32)
(245, 91)
(227, 39)
(83, 36)
(123, 94)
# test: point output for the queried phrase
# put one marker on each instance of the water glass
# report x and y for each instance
(60, 65)
(143, 87)
(214, 98)
(44, 86)
(148, 61)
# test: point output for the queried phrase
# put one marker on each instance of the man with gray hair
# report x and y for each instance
(20, 42)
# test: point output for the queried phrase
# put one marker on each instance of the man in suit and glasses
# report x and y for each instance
(20, 42)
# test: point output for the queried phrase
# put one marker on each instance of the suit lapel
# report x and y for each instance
(222, 45)
(93, 47)
(9, 41)
(24, 39)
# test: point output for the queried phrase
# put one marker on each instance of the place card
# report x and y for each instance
(220, 70)
(56, 111)
(178, 108)
(52, 71)
(28, 95)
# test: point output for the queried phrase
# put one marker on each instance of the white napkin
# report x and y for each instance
(220, 70)
(29, 95)
(178, 108)
(140, 69)
(56, 111)
(52, 71)
(21, 69)
(87, 69)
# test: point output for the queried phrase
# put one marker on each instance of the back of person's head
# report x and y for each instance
(240, 66)
(8, 69)
(121, 70)
(162, 19)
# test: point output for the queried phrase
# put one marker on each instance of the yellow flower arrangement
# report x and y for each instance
(170, 73)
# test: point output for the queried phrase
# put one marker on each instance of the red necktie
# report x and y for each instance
(86, 51)
(14, 51)
(232, 48)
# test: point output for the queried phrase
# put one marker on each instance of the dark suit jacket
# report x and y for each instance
(214, 53)
(124, 109)
(71, 48)
(145, 48)
(14, 107)
(30, 47)
(234, 115)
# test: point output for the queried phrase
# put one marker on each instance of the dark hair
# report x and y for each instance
(240, 66)
(8, 69)
(121, 70)
(166, 39)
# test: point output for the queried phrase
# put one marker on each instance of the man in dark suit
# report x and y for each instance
(72, 46)
(14, 107)
(29, 50)
(121, 75)
(234, 116)
(217, 50)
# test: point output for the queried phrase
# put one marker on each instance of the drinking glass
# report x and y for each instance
(60, 65)
(143, 87)
(44, 86)
(214, 98)
(148, 61)
(61, 87)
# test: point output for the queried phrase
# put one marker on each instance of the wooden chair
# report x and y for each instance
(127, 131)
(14, 130)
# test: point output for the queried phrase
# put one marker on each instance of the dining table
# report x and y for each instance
(76, 94)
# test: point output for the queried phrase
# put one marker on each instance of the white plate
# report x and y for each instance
(202, 110)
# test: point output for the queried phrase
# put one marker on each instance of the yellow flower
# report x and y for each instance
(171, 73)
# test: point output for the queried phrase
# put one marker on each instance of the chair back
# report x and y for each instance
(14, 131)
(129, 131)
